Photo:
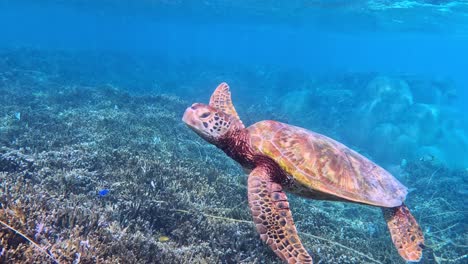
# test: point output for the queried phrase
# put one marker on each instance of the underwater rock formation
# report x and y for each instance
(389, 98)
(393, 125)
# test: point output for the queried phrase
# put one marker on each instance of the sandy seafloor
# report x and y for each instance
(69, 130)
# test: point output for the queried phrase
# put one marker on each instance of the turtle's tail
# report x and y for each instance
(406, 233)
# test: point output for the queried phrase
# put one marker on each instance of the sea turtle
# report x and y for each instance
(282, 157)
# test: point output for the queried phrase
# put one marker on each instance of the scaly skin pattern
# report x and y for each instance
(323, 168)
(267, 201)
(405, 231)
(221, 100)
(272, 217)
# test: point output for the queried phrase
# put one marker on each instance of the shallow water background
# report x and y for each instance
(411, 37)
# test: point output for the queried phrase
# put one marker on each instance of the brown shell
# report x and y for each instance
(319, 163)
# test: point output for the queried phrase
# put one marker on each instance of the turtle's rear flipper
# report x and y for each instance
(406, 233)
(272, 217)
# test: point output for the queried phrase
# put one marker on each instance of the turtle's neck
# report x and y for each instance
(236, 144)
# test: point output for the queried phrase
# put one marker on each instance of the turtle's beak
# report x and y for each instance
(201, 119)
(190, 115)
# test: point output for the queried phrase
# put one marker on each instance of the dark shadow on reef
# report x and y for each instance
(171, 197)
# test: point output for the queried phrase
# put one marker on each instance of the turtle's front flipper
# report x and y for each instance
(221, 99)
(272, 217)
(406, 233)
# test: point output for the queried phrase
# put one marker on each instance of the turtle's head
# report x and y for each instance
(208, 122)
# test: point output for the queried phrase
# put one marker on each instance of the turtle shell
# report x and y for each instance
(322, 165)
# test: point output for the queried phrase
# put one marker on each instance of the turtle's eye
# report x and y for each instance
(205, 115)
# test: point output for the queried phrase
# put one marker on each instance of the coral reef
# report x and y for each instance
(172, 198)
(391, 117)
(423, 126)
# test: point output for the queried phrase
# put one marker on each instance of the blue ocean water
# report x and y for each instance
(387, 78)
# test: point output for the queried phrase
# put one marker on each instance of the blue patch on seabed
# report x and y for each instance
(104, 192)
